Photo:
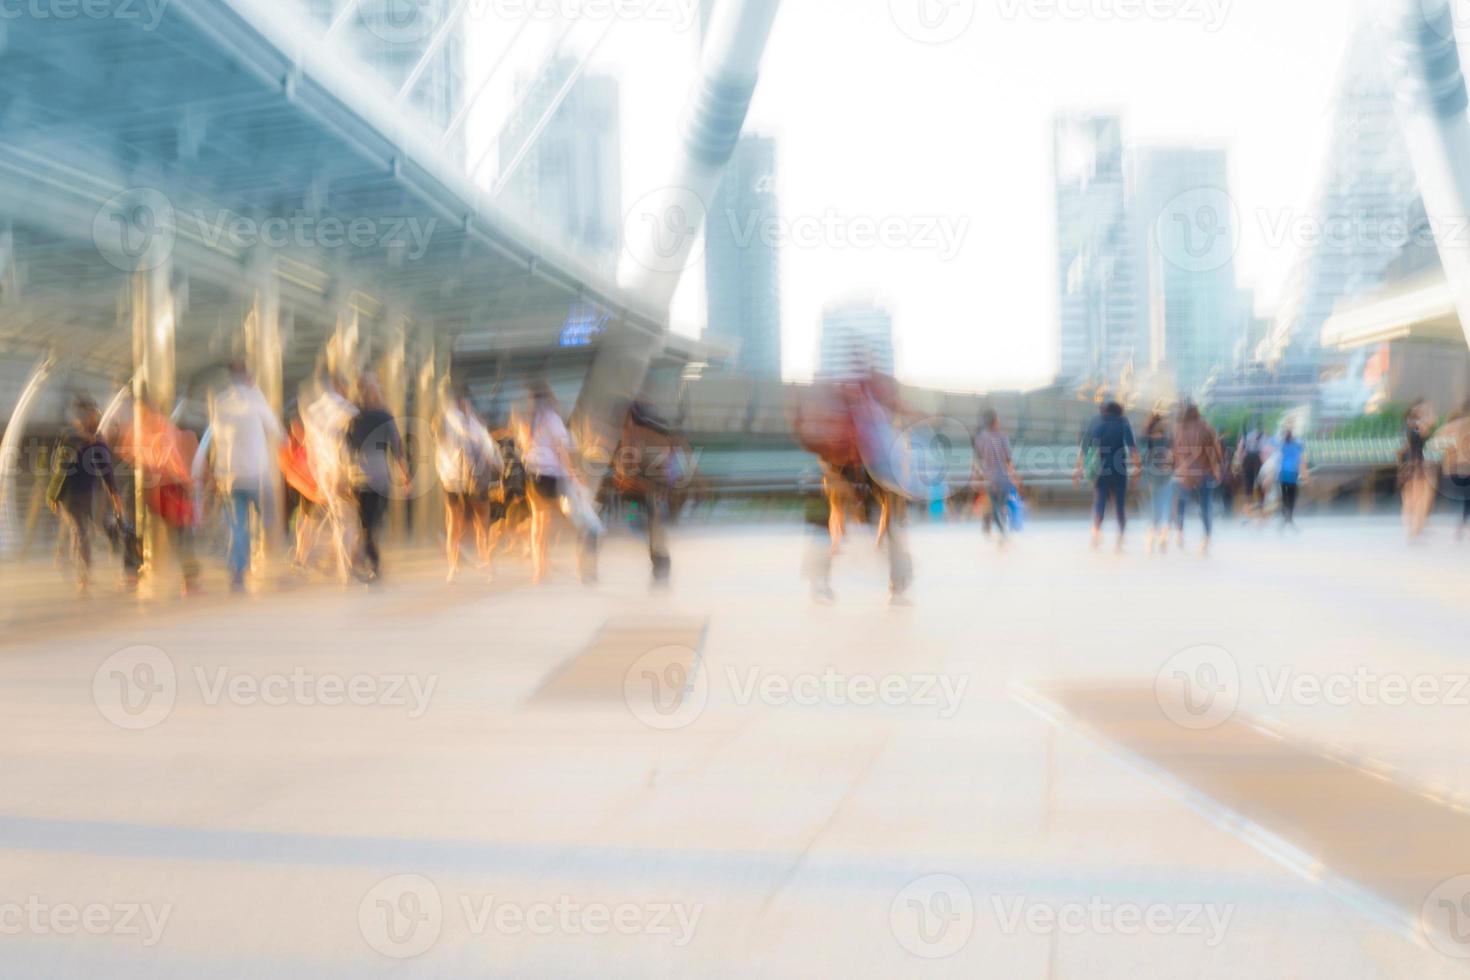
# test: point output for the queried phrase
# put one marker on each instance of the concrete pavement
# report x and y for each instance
(491, 779)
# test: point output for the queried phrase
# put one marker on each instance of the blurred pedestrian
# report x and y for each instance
(80, 464)
(467, 461)
(379, 467)
(238, 447)
(327, 415)
(1415, 476)
(1110, 446)
(547, 452)
(1198, 468)
(993, 453)
(1250, 456)
(1453, 442)
(1292, 472)
(641, 474)
(1158, 477)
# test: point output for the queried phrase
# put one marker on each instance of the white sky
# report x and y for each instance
(875, 125)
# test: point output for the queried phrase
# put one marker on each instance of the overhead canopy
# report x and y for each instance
(232, 130)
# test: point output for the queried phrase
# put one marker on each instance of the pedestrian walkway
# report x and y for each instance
(488, 779)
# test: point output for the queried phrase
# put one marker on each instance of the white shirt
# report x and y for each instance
(465, 452)
(242, 428)
(326, 420)
(545, 441)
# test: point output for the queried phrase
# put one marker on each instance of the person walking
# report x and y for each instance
(241, 441)
(993, 452)
(546, 448)
(1158, 477)
(1198, 467)
(1453, 442)
(1250, 456)
(327, 415)
(1292, 460)
(80, 463)
(1414, 468)
(1111, 443)
(377, 456)
(466, 459)
(641, 474)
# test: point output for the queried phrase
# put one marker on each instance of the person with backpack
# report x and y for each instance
(80, 464)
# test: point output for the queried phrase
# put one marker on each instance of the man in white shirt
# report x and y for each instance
(243, 434)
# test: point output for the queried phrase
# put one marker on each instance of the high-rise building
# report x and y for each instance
(569, 179)
(1103, 329)
(857, 337)
(392, 37)
(1364, 205)
(742, 261)
(1186, 228)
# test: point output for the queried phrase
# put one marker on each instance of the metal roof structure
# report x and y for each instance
(234, 131)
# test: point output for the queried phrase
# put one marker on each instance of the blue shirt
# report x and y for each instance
(1291, 462)
(1112, 437)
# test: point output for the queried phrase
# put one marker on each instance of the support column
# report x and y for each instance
(426, 494)
(11, 461)
(392, 373)
(154, 383)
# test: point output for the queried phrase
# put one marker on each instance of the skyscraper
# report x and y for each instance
(570, 178)
(857, 336)
(1103, 329)
(1187, 227)
(742, 267)
(1363, 211)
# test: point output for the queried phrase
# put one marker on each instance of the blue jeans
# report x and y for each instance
(1161, 499)
(239, 517)
(1204, 493)
(1113, 485)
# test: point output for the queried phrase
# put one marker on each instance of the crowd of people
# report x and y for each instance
(332, 470)
(341, 459)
